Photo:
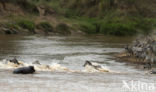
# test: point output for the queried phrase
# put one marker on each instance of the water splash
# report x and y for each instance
(91, 69)
(5, 64)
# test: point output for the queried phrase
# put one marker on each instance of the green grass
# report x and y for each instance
(88, 28)
(11, 25)
(26, 24)
(114, 26)
(46, 26)
(117, 29)
(146, 25)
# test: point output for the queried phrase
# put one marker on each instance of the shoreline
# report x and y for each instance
(121, 57)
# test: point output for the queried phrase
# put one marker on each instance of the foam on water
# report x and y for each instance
(51, 67)
(103, 68)
(5, 64)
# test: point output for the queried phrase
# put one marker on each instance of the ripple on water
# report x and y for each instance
(66, 56)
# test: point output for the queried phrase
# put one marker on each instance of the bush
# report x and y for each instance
(88, 28)
(11, 25)
(145, 26)
(46, 26)
(117, 29)
(63, 28)
(27, 24)
(70, 13)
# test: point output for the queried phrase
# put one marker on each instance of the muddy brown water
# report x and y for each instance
(70, 52)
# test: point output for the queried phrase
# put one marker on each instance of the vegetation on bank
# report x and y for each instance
(109, 17)
(46, 26)
(63, 29)
(118, 26)
(18, 26)
(26, 24)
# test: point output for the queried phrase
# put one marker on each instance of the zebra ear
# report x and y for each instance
(89, 62)
(85, 63)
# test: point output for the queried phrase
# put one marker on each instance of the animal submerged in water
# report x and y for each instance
(24, 70)
(153, 72)
(36, 62)
(94, 66)
(15, 61)
(148, 65)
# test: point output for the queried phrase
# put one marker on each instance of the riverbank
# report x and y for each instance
(68, 18)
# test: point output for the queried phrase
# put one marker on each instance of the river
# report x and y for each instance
(68, 54)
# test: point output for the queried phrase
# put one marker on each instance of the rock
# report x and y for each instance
(44, 10)
(9, 31)
(41, 10)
